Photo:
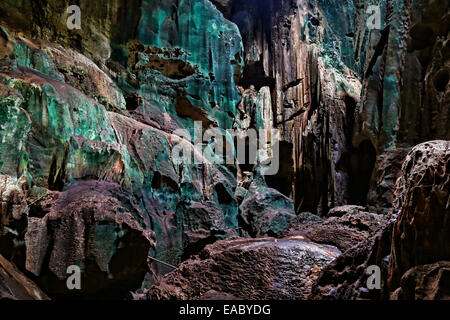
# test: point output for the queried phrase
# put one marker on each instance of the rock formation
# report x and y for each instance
(263, 268)
(350, 100)
(413, 264)
(15, 286)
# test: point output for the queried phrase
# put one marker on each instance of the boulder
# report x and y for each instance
(425, 282)
(265, 211)
(411, 249)
(93, 225)
(345, 227)
(422, 229)
(259, 269)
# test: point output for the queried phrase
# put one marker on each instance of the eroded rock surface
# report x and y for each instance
(425, 282)
(91, 121)
(15, 286)
(264, 268)
(95, 113)
(406, 249)
(423, 194)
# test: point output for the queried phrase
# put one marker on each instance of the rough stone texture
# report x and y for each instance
(101, 104)
(92, 225)
(264, 268)
(346, 278)
(425, 282)
(266, 211)
(13, 219)
(347, 99)
(405, 97)
(422, 231)
(347, 231)
(413, 241)
(381, 195)
(15, 286)
(346, 227)
(302, 52)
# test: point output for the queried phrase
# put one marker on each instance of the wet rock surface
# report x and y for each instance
(264, 268)
(91, 122)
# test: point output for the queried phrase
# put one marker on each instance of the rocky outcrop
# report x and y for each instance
(405, 66)
(302, 52)
(13, 219)
(100, 107)
(347, 230)
(93, 122)
(411, 250)
(423, 194)
(264, 268)
(92, 225)
(346, 277)
(404, 100)
(346, 227)
(265, 211)
(425, 282)
(15, 286)
(350, 99)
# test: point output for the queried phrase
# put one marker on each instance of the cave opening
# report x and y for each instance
(359, 164)
(361, 173)
(282, 181)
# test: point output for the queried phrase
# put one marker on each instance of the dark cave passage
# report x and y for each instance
(282, 181)
(358, 164)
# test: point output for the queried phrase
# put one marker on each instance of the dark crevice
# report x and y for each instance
(159, 182)
(56, 175)
(441, 80)
(378, 51)
(350, 108)
(133, 101)
(358, 164)
(222, 194)
(292, 84)
(196, 247)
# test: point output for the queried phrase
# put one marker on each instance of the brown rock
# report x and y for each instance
(414, 241)
(422, 231)
(425, 282)
(15, 286)
(93, 225)
(347, 226)
(345, 278)
(264, 268)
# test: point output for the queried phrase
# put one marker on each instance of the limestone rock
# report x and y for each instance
(15, 286)
(266, 211)
(264, 268)
(425, 282)
(92, 225)
(406, 248)
(423, 201)
(347, 226)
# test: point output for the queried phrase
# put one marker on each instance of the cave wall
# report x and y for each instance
(350, 101)
(302, 51)
(87, 129)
